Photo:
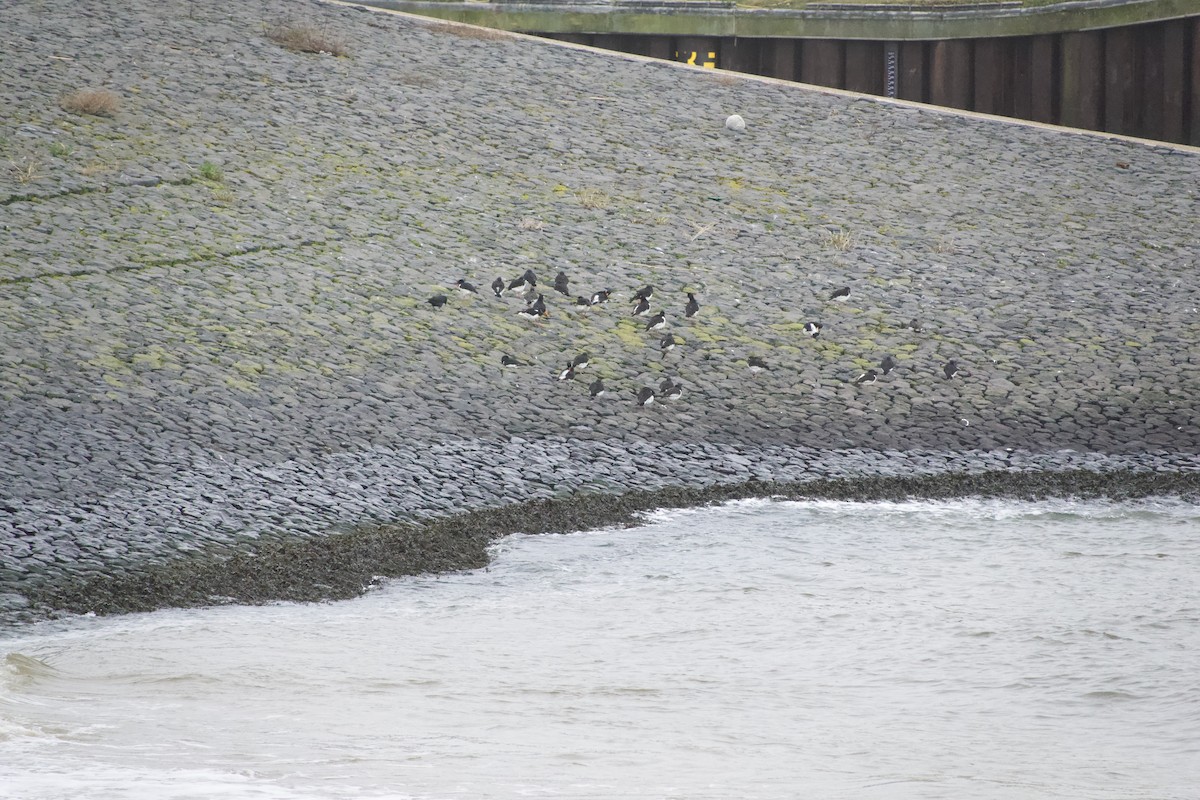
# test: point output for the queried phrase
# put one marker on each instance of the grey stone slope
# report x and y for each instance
(234, 268)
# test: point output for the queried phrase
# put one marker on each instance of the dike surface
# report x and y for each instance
(217, 346)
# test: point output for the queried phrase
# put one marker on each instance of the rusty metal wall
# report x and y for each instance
(1139, 80)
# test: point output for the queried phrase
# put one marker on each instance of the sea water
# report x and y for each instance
(966, 649)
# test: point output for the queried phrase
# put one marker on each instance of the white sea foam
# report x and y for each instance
(91, 781)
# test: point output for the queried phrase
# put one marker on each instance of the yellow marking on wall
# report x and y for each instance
(692, 55)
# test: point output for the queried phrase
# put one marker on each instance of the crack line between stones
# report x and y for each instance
(163, 262)
(82, 190)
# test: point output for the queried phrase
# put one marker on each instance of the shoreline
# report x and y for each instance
(342, 566)
(236, 508)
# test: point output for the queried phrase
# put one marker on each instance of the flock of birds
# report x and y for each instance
(526, 286)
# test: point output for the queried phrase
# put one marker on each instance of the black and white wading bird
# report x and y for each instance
(670, 390)
(508, 361)
(756, 364)
(498, 286)
(597, 388)
(659, 320)
(524, 284)
(645, 293)
(438, 300)
(840, 294)
(518, 285)
(692, 308)
(667, 344)
(950, 369)
(870, 376)
(464, 287)
(645, 396)
(641, 307)
(581, 361)
(601, 296)
(567, 374)
(539, 305)
(887, 365)
(813, 329)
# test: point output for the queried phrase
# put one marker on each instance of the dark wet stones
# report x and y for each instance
(344, 565)
(286, 506)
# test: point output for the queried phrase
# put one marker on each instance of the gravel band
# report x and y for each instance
(220, 376)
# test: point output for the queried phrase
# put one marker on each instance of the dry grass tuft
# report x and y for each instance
(304, 37)
(421, 80)
(98, 102)
(700, 229)
(942, 246)
(95, 168)
(469, 31)
(839, 240)
(593, 198)
(26, 170)
(531, 224)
